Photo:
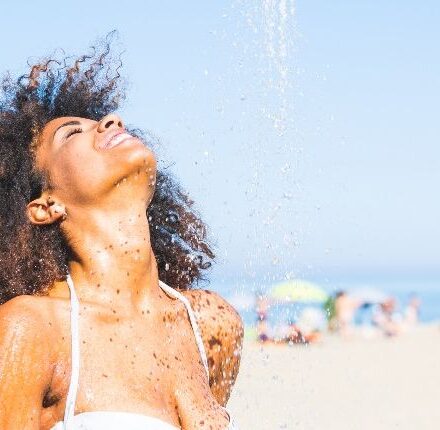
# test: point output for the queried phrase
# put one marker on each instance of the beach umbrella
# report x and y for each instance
(298, 291)
(368, 295)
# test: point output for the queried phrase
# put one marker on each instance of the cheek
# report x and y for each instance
(77, 172)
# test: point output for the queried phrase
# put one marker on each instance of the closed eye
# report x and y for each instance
(72, 131)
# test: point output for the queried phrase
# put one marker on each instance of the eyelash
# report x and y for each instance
(73, 131)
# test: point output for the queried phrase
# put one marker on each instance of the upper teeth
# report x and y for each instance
(117, 140)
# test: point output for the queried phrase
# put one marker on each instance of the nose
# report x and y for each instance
(110, 121)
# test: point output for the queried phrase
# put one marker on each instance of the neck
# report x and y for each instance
(114, 263)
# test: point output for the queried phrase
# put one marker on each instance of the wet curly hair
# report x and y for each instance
(33, 257)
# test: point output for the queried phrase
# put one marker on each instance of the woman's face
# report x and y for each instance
(86, 160)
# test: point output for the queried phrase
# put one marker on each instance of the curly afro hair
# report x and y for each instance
(33, 257)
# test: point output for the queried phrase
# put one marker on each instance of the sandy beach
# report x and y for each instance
(377, 383)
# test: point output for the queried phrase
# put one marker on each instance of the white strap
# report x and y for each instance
(192, 318)
(73, 387)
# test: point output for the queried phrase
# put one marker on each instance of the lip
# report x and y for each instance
(114, 139)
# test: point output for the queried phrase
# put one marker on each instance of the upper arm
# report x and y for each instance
(24, 366)
(222, 332)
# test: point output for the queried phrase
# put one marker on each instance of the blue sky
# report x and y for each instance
(348, 187)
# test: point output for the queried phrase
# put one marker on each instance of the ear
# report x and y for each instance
(45, 210)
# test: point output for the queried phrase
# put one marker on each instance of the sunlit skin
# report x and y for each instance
(138, 352)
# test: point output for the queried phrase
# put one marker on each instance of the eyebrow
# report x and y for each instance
(74, 122)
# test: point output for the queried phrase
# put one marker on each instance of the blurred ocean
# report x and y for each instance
(428, 291)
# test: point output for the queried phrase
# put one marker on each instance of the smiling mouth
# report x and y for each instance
(116, 140)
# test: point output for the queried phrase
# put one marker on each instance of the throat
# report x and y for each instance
(113, 259)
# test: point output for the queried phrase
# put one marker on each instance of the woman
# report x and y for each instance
(90, 336)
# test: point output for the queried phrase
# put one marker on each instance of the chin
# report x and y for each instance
(142, 156)
(130, 165)
(137, 158)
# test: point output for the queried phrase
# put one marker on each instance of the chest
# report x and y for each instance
(129, 366)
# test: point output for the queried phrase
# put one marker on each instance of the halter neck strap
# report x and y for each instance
(74, 328)
(192, 319)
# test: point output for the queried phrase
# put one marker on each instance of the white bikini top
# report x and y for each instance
(109, 420)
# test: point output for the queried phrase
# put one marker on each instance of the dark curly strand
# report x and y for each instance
(33, 257)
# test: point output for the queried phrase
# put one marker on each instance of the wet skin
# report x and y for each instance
(138, 352)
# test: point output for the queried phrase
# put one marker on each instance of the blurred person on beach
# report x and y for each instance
(412, 311)
(90, 334)
(311, 323)
(290, 333)
(387, 319)
(345, 308)
(294, 334)
(262, 309)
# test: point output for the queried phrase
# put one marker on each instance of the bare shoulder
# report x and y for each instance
(25, 360)
(222, 332)
(26, 319)
(213, 310)
(22, 311)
